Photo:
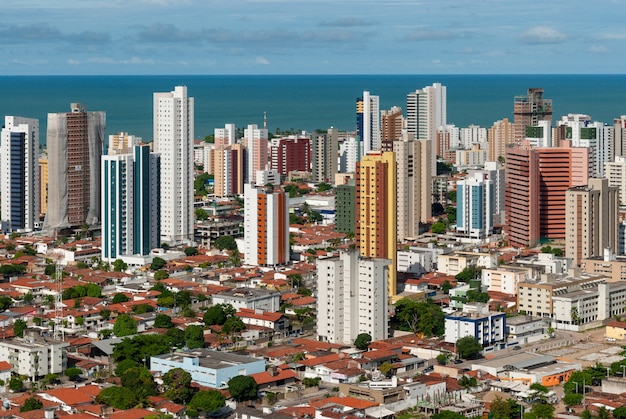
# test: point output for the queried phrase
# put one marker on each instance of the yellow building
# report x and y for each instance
(376, 232)
(615, 330)
(43, 184)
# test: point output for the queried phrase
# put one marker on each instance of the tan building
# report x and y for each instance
(609, 265)
(454, 263)
(591, 220)
(615, 330)
(504, 279)
(535, 297)
(376, 203)
(498, 136)
(228, 169)
(615, 172)
(391, 124)
(473, 157)
(43, 184)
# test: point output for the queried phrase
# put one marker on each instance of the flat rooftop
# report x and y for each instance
(210, 359)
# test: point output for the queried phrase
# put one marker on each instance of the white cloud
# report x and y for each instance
(542, 35)
(262, 60)
(73, 62)
(597, 49)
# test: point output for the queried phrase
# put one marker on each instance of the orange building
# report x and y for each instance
(535, 184)
(376, 224)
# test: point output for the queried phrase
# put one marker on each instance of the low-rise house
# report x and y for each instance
(275, 321)
(208, 368)
(255, 299)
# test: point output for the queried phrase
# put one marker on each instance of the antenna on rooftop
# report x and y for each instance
(58, 298)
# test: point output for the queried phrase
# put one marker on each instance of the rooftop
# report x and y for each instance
(208, 358)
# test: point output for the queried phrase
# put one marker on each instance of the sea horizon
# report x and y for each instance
(302, 101)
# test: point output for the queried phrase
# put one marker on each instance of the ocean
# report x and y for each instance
(301, 102)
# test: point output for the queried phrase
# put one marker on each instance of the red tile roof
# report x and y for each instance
(265, 377)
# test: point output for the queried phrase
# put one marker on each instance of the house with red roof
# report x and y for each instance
(275, 321)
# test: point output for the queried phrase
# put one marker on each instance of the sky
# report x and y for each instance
(111, 37)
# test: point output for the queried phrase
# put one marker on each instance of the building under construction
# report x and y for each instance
(528, 110)
(74, 141)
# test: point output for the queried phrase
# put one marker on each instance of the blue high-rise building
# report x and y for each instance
(130, 203)
(475, 206)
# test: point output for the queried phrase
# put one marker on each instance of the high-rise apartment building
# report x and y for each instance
(43, 184)
(474, 134)
(121, 142)
(426, 111)
(255, 140)
(291, 154)
(74, 140)
(19, 174)
(368, 123)
(414, 186)
(229, 169)
(535, 186)
(498, 137)
(173, 141)
(345, 207)
(266, 226)
(619, 136)
(351, 293)
(225, 136)
(130, 202)
(591, 220)
(324, 152)
(583, 132)
(475, 205)
(528, 110)
(615, 172)
(391, 122)
(540, 135)
(376, 203)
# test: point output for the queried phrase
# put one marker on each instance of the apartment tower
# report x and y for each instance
(591, 220)
(498, 137)
(368, 123)
(229, 169)
(391, 122)
(324, 153)
(528, 110)
(130, 202)
(352, 297)
(255, 140)
(173, 141)
(376, 231)
(266, 226)
(19, 174)
(74, 140)
(291, 154)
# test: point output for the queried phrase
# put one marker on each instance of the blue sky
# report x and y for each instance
(97, 37)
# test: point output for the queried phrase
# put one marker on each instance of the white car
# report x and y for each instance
(611, 339)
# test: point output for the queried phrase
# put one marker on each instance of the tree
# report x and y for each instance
(214, 316)
(140, 381)
(446, 286)
(620, 412)
(124, 325)
(118, 397)
(540, 411)
(119, 265)
(467, 382)
(573, 399)
(235, 257)
(207, 401)
(175, 337)
(105, 313)
(157, 263)
(438, 228)
(16, 384)
(120, 298)
(451, 195)
(442, 359)
(5, 302)
(72, 373)
(28, 297)
(178, 385)
(201, 214)
(141, 347)
(163, 321)
(19, 326)
(469, 273)
(500, 409)
(468, 347)
(386, 368)
(51, 378)
(362, 341)
(477, 296)
(194, 337)
(31, 404)
(233, 325)
(447, 414)
(124, 366)
(419, 317)
(143, 308)
(225, 243)
(243, 387)
(191, 251)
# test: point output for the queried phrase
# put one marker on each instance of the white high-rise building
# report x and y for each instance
(352, 295)
(368, 123)
(425, 113)
(173, 140)
(225, 136)
(19, 173)
(540, 135)
(475, 205)
(130, 203)
(597, 136)
(471, 135)
(348, 155)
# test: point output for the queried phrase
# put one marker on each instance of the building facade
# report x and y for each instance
(368, 123)
(256, 141)
(488, 327)
(229, 169)
(475, 206)
(173, 140)
(324, 153)
(266, 226)
(376, 203)
(19, 174)
(352, 294)
(291, 154)
(74, 141)
(528, 110)
(130, 203)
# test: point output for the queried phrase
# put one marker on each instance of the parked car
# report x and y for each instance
(517, 347)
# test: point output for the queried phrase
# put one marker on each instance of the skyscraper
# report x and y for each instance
(376, 231)
(426, 111)
(19, 173)
(368, 123)
(528, 110)
(499, 136)
(475, 205)
(352, 297)
(225, 136)
(130, 202)
(74, 141)
(324, 151)
(266, 226)
(255, 139)
(535, 186)
(591, 220)
(391, 124)
(229, 169)
(291, 154)
(583, 132)
(173, 140)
